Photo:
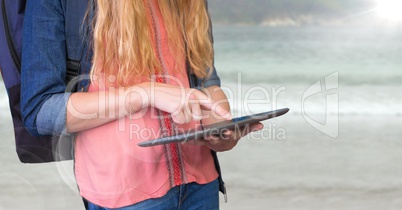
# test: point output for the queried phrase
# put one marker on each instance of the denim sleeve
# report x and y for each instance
(212, 80)
(43, 97)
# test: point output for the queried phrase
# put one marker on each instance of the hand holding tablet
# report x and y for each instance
(216, 128)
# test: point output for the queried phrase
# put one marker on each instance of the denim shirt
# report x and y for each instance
(44, 57)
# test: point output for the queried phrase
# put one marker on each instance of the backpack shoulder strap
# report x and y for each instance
(74, 17)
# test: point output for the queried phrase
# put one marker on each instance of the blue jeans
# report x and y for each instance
(187, 197)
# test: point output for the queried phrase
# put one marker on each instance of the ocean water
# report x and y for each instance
(367, 62)
(350, 74)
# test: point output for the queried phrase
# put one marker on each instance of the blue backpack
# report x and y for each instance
(31, 149)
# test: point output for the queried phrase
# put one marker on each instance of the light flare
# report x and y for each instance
(390, 9)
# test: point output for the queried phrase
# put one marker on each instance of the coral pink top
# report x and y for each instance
(112, 171)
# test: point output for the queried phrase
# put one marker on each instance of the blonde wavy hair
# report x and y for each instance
(123, 35)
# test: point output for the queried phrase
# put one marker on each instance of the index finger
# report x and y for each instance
(208, 104)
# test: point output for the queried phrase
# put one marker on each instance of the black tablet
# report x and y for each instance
(216, 128)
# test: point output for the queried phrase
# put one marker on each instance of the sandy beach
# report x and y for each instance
(358, 170)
